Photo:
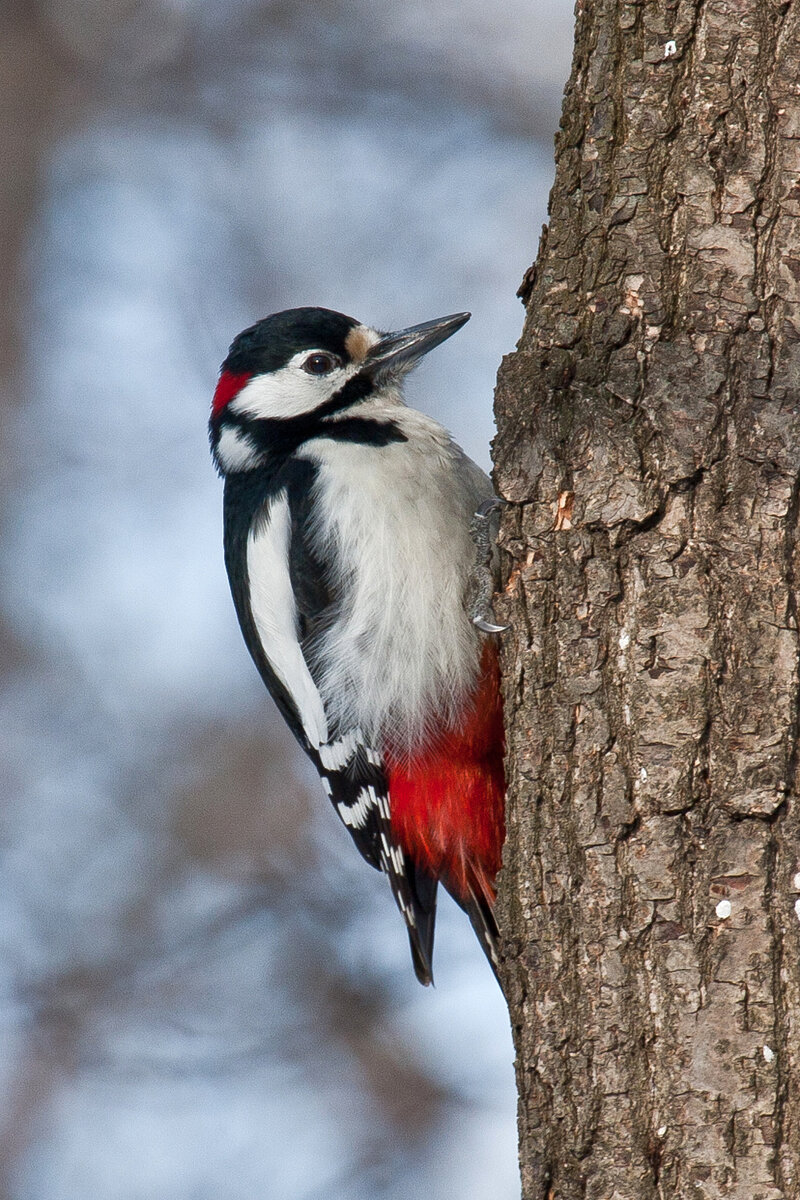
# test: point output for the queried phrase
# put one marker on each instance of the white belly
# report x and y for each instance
(401, 658)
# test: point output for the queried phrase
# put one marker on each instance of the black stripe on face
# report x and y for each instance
(363, 430)
(278, 438)
(293, 431)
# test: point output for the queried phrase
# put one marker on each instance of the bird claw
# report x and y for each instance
(489, 506)
(487, 626)
(483, 572)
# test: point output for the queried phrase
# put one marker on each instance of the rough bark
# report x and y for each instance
(649, 440)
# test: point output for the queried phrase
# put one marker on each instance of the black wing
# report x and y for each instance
(283, 596)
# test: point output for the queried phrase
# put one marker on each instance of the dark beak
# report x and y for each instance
(400, 351)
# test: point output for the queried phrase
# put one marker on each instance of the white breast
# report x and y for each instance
(402, 656)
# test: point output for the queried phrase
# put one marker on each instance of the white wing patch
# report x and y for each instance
(274, 612)
(336, 755)
(355, 815)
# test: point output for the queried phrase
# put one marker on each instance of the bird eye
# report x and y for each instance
(319, 364)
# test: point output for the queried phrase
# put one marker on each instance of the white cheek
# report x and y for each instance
(235, 451)
(289, 392)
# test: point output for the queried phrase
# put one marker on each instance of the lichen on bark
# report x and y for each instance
(649, 441)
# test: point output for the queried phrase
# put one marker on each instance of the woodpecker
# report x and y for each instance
(355, 544)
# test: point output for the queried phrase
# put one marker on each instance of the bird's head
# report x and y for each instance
(297, 368)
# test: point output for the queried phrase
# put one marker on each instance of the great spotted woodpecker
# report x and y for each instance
(353, 551)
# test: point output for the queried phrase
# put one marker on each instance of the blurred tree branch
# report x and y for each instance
(29, 76)
(648, 436)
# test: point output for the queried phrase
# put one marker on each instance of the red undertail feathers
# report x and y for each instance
(447, 804)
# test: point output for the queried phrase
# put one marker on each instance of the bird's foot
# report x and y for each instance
(483, 583)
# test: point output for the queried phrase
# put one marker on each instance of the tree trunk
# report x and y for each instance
(649, 440)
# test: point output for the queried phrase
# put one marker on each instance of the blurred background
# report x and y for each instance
(204, 993)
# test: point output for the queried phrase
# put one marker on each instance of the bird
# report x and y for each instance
(358, 552)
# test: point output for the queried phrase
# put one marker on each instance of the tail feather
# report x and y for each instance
(479, 908)
(420, 934)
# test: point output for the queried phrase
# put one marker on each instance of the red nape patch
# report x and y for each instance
(448, 804)
(229, 385)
